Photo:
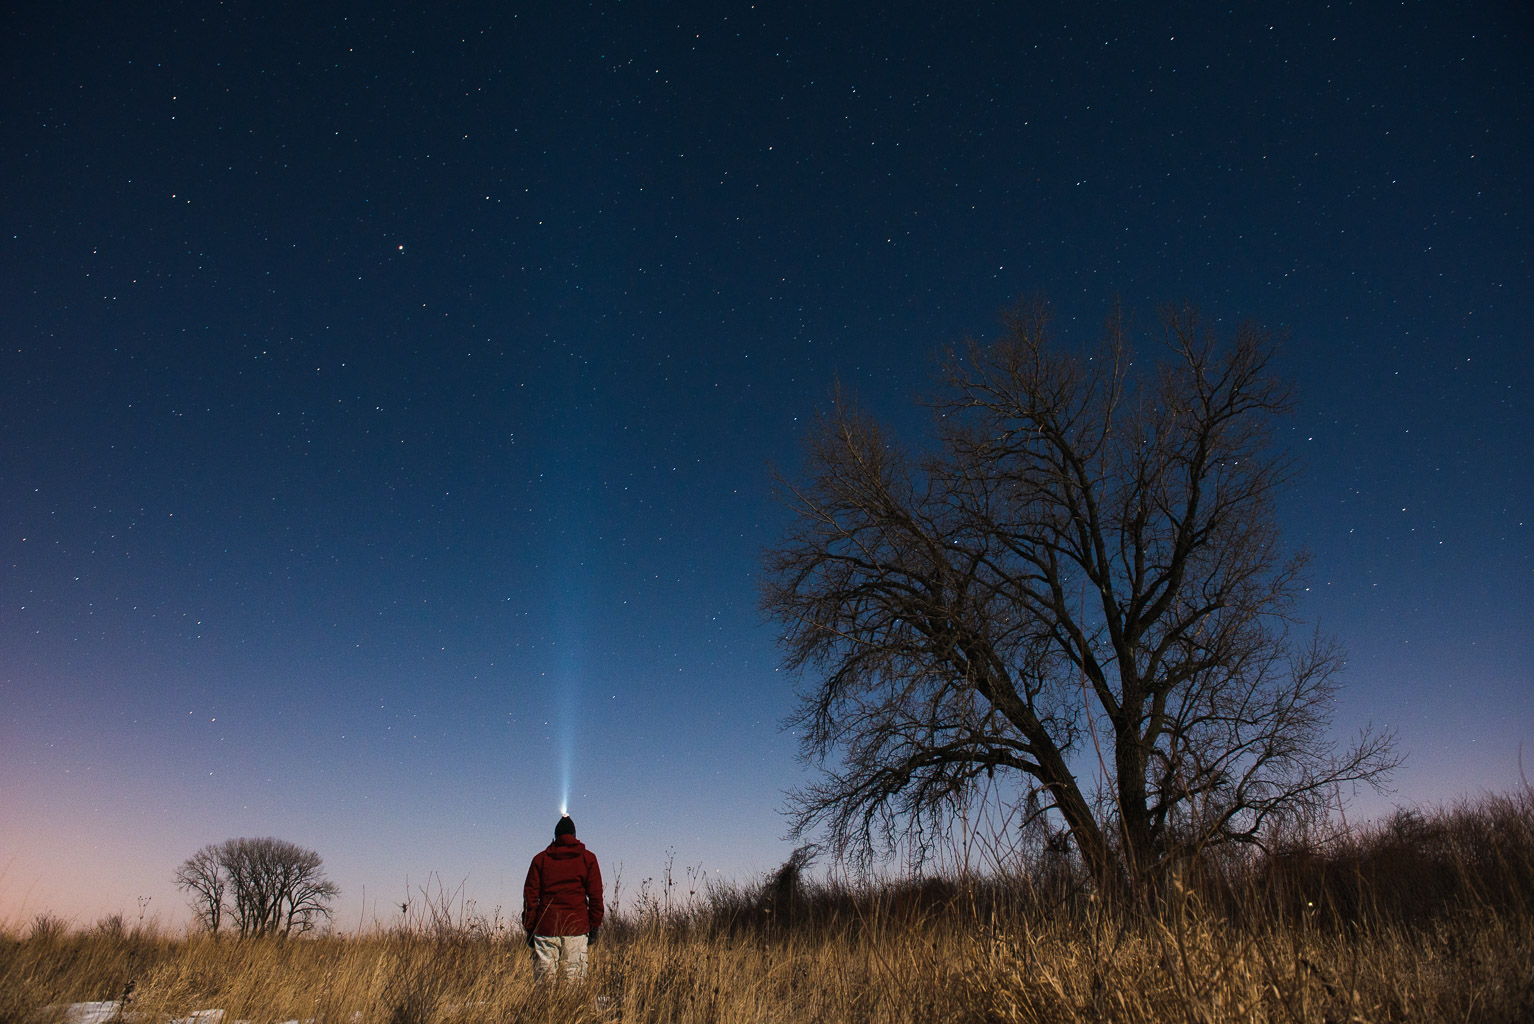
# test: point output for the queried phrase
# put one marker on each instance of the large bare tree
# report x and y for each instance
(202, 876)
(277, 887)
(1081, 584)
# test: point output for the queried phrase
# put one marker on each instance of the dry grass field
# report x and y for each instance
(1420, 918)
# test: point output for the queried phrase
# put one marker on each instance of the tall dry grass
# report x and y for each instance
(1419, 918)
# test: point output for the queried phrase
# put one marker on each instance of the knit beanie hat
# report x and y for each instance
(566, 827)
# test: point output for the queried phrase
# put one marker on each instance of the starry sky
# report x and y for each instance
(389, 399)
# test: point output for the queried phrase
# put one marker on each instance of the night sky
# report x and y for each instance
(389, 400)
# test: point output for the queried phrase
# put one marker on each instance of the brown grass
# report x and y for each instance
(1429, 918)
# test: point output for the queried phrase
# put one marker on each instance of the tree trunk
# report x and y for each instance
(1139, 855)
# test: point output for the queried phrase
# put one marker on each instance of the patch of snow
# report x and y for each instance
(107, 1011)
(91, 1013)
(203, 1017)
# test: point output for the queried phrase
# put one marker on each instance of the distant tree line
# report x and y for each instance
(259, 886)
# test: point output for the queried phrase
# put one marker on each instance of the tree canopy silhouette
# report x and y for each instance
(277, 887)
(1081, 583)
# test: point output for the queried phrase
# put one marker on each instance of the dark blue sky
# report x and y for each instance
(387, 400)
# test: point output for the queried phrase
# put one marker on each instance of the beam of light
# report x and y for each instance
(568, 685)
(572, 485)
(571, 598)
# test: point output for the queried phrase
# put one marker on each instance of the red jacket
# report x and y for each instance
(563, 891)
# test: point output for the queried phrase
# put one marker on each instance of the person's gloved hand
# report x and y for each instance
(591, 937)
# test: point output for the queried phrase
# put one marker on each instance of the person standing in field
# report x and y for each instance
(562, 903)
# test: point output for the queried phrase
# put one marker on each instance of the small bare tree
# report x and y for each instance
(202, 876)
(1082, 585)
(277, 887)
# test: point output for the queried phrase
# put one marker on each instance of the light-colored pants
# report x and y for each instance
(550, 950)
